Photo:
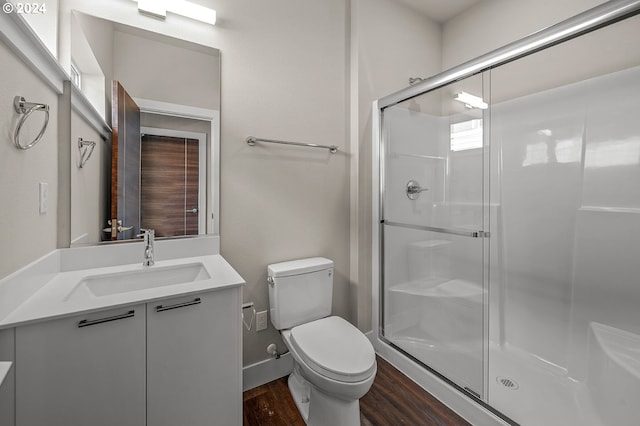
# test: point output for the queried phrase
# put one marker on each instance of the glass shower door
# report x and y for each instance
(434, 231)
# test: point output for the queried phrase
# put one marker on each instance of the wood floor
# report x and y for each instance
(393, 400)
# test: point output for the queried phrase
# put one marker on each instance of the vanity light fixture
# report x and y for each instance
(471, 101)
(159, 9)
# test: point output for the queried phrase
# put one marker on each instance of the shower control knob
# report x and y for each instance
(414, 189)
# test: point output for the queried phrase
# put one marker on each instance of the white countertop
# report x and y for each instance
(5, 366)
(51, 299)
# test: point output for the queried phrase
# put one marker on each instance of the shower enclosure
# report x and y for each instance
(508, 224)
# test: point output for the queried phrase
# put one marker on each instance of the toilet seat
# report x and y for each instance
(334, 348)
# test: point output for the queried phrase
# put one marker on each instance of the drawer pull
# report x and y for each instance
(161, 308)
(87, 323)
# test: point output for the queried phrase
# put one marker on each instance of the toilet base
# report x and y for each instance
(300, 391)
(319, 409)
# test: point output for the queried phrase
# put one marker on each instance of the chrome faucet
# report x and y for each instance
(149, 235)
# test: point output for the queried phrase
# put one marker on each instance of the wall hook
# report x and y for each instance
(86, 149)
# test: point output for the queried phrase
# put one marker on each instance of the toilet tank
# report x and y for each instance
(300, 291)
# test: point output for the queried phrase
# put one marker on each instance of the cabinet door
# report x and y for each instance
(193, 360)
(86, 371)
(7, 390)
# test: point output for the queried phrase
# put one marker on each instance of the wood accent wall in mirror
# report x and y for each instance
(172, 91)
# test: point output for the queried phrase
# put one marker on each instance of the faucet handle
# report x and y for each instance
(150, 232)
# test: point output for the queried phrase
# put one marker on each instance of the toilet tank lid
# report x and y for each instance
(300, 266)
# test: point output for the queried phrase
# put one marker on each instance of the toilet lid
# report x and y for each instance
(334, 348)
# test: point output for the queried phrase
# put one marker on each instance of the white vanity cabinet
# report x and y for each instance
(171, 362)
(82, 370)
(194, 360)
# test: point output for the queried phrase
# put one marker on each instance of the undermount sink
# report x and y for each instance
(139, 279)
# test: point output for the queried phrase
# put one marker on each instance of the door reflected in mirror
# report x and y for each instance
(170, 182)
(159, 167)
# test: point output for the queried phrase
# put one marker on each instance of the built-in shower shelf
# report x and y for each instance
(426, 244)
(440, 288)
(426, 157)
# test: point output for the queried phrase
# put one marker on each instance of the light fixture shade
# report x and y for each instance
(154, 8)
(471, 101)
(159, 9)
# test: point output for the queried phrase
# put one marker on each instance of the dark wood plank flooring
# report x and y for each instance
(393, 400)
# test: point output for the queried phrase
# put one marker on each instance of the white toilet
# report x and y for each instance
(334, 363)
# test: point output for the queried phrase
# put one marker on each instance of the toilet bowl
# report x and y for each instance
(334, 362)
(334, 367)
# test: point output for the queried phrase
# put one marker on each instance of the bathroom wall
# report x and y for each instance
(25, 233)
(87, 201)
(389, 43)
(491, 24)
(284, 76)
(99, 36)
(134, 55)
(45, 24)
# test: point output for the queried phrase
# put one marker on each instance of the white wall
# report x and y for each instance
(167, 72)
(25, 234)
(87, 184)
(99, 35)
(44, 23)
(389, 44)
(492, 24)
(284, 76)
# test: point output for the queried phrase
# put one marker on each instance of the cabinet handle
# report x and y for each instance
(87, 323)
(195, 301)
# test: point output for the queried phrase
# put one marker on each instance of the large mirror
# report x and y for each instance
(158, 166)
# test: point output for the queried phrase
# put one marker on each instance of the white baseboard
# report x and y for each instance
(82, 239)
(266, 371)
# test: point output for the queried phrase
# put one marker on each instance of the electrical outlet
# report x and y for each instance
(44, 197)
(261, 320)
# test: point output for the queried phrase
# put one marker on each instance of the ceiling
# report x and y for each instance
(440, 10)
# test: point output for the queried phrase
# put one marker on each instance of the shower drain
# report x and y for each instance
(507, 382)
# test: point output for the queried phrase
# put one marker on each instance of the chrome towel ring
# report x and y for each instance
(26, 108)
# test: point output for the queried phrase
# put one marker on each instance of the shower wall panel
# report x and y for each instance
(540, 140)
(607, 267)
(569, 170)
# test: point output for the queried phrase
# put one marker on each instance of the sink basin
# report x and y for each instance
(139, 279)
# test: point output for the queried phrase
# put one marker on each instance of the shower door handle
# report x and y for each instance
(413, 189)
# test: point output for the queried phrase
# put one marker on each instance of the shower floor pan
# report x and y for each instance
(534, 392)
(545, 395)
